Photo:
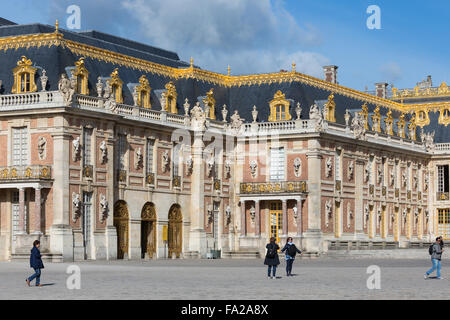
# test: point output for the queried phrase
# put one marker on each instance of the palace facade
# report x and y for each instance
(112, 149)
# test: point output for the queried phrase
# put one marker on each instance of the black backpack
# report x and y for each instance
(430, 249)
(292, 250)
(271, 252)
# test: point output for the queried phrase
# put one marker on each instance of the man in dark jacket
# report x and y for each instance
(36, 264)
(436, 259)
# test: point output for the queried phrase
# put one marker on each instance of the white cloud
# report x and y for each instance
(253, 36)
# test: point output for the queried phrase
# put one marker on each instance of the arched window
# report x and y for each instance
(279, 108)
(171, 98)
(422, 118)
(24, 75)
(81, 75)
(444, 118)
(143, 89)
(116, 86)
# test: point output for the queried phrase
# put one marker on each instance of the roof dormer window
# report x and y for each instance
(143, 89)
(279, 108)
(24, 75)
(81, 75)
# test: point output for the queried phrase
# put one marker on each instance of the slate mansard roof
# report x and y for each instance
(238, 95)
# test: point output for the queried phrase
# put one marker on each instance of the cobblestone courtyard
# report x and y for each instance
(323, 278)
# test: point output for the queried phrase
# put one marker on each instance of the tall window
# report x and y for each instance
(122, 149)
(383, 176)
(444, 223)
(87, 146)
(337, 164)
(20, 146)
(371, 169)
(87, 220)
(280, 112)
(443, 179)
(25, 84)
(277, 164)
(150, 148)
(408, 176)
(175, 159)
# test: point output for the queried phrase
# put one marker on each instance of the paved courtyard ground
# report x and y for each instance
(322, 278)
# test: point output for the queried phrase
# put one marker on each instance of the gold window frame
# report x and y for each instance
(144, 89)
(81, 74)
(116, 85)
(282, 104)
(422, 118)
(171, 97)
(24, 67)
(444, 117)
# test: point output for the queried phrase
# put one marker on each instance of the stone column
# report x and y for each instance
(61, 236)
(299, 217)
(21, 211)
(243, 219)
(110, 232)
(37, 210)
(197, 236)
(285, 218)
(257, 219)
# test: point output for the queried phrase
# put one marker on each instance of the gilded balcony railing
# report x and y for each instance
(35, 172)
(273, 187)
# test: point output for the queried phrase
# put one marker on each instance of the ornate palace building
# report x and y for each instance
(113, 149)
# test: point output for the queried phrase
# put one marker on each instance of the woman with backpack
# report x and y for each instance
(272, 260)
(435, 251)
(291, 251)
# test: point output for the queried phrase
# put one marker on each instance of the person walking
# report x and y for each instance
(272, 260)
(291, 251)
(436, 251)
(36, 264)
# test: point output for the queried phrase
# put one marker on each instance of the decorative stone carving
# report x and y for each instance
(44, 80)
(210, 214)
(428, 140)
(42, 146)
(228, 215)
(328, 212)
(379, 216)
(253, 213)
(298, 111)
(224, 113)
(366, 215)
(189, 165)
(135, 95)
(198, 117)
(295, 210)
(210, 166)
(416, 215)
(366, 173)
(76, 202)
(392, 181)
(349, 215)
(347, 117)
(165, 161)
(99, 87)
(404, 216)
(186, 106)
(67, 88)
(379, 174)
(108, 90)
(328, 167)
(404, 179)
(426, 182)
(351, 170)
(254, 114)
(103, 152)
(163, 101)
(359, 126)
(317, 116)
(253, 167)
(76, 149)
(103, 207)
(298, 167)
(138, 159)
(415, 182)
(236, 121)
(227, 169)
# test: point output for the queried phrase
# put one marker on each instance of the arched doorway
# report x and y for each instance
(121, 219)
(148, 230)
(175, 230)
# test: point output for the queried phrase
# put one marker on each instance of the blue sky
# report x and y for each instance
(256, 36)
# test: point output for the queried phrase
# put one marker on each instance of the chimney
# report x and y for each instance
(330, 73)
(381, 90)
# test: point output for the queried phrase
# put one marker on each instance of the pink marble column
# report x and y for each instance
(257, 219)
(37, 210)
(21, 210)
(285, 218)
(243, 220)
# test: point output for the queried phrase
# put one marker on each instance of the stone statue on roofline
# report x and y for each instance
(428, 140)
(67, 88)
(358, 126)
(317, 116)
(236, 121)
(198, 117)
